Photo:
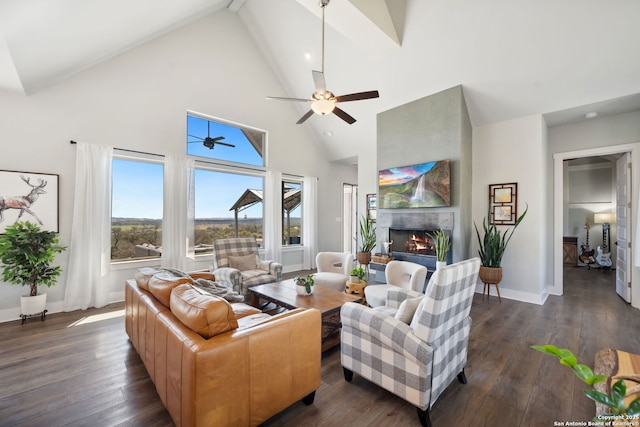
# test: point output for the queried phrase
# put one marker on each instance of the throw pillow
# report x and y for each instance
(407, 309)
(242, 263)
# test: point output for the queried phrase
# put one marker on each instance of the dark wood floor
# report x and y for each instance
(60, 373)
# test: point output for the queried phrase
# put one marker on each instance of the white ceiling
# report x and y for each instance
(513, 58)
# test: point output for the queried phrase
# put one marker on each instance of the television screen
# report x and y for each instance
(425, 185)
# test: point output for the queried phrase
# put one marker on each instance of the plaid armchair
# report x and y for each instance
(236, 261)
(415, 361)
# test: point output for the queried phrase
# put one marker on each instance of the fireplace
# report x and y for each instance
(415, 242)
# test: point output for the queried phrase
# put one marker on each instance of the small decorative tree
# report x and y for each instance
(26, 254)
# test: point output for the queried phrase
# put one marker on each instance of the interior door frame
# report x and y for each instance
(558, 204)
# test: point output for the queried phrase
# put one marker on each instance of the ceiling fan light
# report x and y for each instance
(323, 106)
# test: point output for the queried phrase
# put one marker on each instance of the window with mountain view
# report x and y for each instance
(291, 213)
(226, 205)
(136, 210)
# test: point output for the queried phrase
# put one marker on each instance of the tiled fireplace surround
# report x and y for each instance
(404, 225)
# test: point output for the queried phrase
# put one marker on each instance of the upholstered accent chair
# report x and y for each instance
(403, 274)
(237, 261)
(333, 269)
(416, 360)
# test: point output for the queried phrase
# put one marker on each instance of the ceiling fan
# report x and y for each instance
(323, 101)
(208, 141)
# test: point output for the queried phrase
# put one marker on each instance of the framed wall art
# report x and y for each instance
(372, 207)
(503, 203)
(29, 196)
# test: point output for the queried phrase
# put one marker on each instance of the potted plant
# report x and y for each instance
(442, 243)
(493, 243)
(357, 274)
(615, 400)
(367, 240)
(26, 254)
(304, 285)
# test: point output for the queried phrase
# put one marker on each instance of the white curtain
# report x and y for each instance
(90, 247)
(272, 200)
(179, 213)
(309, 221)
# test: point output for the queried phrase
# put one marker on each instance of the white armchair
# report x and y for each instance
(403, 274)
(415, 361)
(333, 269)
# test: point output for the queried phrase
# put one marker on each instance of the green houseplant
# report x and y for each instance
(615, 401)
(26, 254)
(357, 274)
(442, 243)
(304, 282)
(493, 244)
(367, 240)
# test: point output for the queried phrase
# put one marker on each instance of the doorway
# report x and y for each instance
(589, 220)
(559, 211)
(349, 217)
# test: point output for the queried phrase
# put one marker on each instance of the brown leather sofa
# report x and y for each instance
(219, 364)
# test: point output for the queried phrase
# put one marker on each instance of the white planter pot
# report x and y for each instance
(440, 264)
(300, 290)
(355, 279)
(33, 305)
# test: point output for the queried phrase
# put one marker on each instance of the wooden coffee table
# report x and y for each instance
(326, 300)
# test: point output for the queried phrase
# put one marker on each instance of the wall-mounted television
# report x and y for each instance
(425, 185)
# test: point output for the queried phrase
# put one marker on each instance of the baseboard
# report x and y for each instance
(515, 295)
(13, 314)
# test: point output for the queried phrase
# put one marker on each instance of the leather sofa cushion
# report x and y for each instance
(143, 275)
(203, 313)
(243, 310)
(162, 283)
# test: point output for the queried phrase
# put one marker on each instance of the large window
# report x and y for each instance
(226, 205)
(136, 211)
(219, 140)
(291, 213)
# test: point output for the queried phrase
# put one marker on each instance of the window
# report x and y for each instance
(215, 139)
(136, 210)
(291, 213)
(226, 205)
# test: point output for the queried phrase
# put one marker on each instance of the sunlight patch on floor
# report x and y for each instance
(98, 317)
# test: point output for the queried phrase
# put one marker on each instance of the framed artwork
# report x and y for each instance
(372, 207)
(503, 203)
(29, 196)
(425, 185)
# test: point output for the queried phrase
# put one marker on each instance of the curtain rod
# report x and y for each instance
(72, 142)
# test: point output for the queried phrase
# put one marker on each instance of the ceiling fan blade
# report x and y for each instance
(279, 98)
(318, 79)
(197, 137)
(224, 143)
(358, 96)
(305, 117)
(344, 116)
(217, 138)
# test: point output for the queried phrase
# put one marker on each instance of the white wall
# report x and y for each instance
(138, 101)
(515, 151)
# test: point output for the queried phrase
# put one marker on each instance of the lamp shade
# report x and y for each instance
(323, 106)
(604, 218)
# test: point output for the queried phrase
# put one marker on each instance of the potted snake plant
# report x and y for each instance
(493, 244)
(442, 244)
(367, 240)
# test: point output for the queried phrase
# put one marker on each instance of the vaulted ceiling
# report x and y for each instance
(512, 58)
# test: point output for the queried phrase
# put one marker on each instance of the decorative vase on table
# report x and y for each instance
(440, 264)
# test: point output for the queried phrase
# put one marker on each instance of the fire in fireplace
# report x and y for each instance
(416, 242)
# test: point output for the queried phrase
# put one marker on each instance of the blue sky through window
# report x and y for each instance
(217, 192)
(243, 152)
(137, 189)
